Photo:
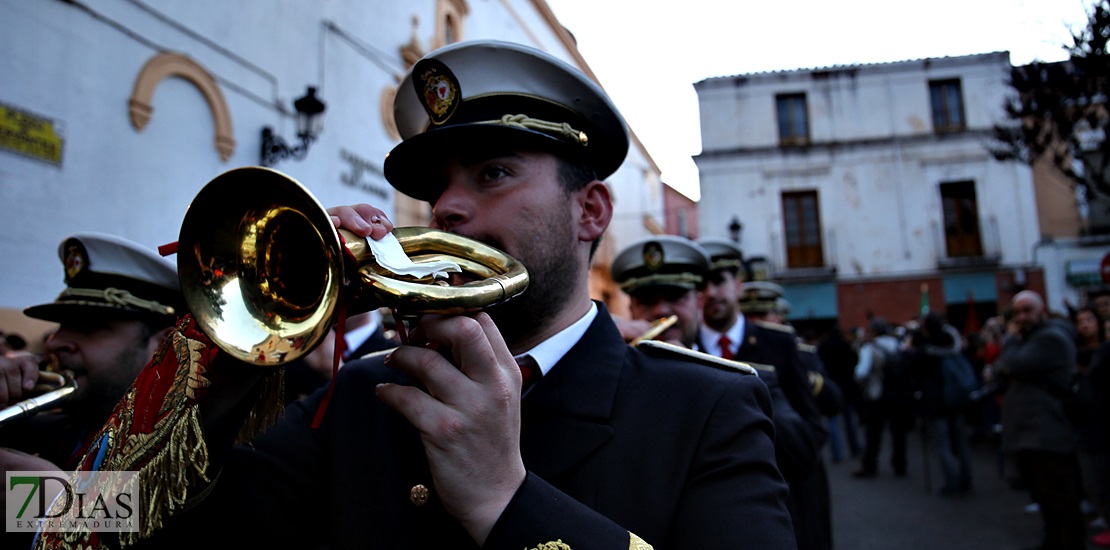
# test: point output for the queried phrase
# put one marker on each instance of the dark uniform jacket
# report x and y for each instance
(614, 441)
(801, 441)
(58, 437)
(779, 348)
(800, 429)
(301, 379)
(826, 392)
(810, 502)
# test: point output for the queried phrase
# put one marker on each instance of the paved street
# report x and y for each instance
(899, 513)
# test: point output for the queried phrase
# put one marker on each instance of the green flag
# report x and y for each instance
(924, 298)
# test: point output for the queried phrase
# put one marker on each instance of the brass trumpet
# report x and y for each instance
(264, 272)
(50, 390)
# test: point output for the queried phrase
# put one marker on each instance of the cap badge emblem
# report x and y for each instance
(76, 259)
(437, 88)
(653, 256)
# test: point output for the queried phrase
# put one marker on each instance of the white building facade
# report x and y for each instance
(866, 189)
(115, 113)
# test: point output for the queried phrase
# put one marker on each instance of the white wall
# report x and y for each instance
(76, 63)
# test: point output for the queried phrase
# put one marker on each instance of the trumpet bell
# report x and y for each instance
(264, 271)
(258, 260)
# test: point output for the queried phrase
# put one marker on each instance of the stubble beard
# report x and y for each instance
(553, 267)
(717, 315)
(100, 399)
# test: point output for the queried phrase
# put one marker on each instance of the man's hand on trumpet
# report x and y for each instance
(468, 407)
(19, 371)
(468, 413)
(361, 219)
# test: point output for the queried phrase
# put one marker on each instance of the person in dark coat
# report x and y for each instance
(763, 305)
(119, 302)
(945, 423)
(840, 360)
(726, 332)
(1098, 434)
(662, 275)
(887, 398)
(1037, 362)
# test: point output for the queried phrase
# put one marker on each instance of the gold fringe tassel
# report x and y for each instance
(164, 481)
(268, 408)
(172, 476)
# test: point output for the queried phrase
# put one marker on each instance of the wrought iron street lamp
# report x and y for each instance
(734, 229)
(310, 122)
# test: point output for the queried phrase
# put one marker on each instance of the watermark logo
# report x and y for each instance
(78, 502)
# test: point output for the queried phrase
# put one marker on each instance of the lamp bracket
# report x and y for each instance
(275, 148)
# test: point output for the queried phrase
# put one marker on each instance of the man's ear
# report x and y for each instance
(596, 211)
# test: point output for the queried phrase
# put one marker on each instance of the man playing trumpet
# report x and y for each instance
(119, 304)
(442, 446)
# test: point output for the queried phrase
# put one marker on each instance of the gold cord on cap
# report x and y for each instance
(558, 128)
(725, 263)
(118, 297)
(670, 278)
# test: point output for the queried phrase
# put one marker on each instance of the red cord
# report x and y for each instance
(340, 342)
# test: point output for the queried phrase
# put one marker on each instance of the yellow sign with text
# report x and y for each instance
(30, 135)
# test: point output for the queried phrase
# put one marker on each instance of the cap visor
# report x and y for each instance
(415, 166)
(62, 312)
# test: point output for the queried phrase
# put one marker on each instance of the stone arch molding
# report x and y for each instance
(166, 65)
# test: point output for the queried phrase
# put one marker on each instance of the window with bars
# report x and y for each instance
(793, 118)
(802, 226)
(961, 219)
(948, 106)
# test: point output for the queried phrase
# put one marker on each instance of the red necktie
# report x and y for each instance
(530, 372)
(726, 347)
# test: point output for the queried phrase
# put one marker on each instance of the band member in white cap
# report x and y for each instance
(665, 275)
(119, 303)
(729, 298)
(611, 448)
(661, 275)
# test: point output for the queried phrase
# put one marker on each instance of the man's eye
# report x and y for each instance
(494, 172)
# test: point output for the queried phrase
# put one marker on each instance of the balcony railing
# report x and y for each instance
(990, 251)
(825, 272)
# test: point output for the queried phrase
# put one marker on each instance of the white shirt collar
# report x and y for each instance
(550, 351)
(356, 336)
(711, 338)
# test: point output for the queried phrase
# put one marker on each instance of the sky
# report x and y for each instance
(648, 54)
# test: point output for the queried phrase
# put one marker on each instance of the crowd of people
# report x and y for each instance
(1037, 393)
(544, 421)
